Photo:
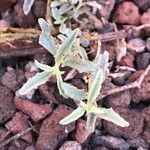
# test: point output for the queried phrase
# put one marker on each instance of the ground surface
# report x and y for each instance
(124, 29)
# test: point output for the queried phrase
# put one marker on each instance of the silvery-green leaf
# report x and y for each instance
(55, 13)
(27, 6)
(55, 3)
(34, 82)
(65, 8)
(45, 39)
(64, 30)
(96, 86)
(74, 1)
(83, 53)
(60, 87)
(90, 123)
(43, 66)
(76, 114)
(65, 47)
(73, 92)
(79, 64)
(102, 61)
(110, 115)
(62, 37)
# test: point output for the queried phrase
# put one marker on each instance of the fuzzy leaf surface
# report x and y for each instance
(79, 64)
(34, 82)
(90, 123)
(27, 6)
(65, 47)
(45, 39)
(76, 114)
(73, 92)
(96, 86)
(110, 115)
(43, 66)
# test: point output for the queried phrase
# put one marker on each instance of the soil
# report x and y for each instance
(116, 25)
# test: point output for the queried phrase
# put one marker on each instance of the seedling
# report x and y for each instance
(89, 106)
(63, 54)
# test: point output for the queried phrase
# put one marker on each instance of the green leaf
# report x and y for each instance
(73, 92)
(76, 114)
(96, 86)
(45, 39)
(90, 123)
(110, 115)
(79, 64)
(34, 82)
(27, 6)
(65, 47)
(43, 66)
(64, 30)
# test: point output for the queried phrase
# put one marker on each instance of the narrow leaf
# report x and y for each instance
(76, 114)
(43, 66)
(27, 6)
(65, 47)
(73, 92)
(45, 39)
(79, 64)
(90, 123)
(34, 82)
(96, 86)
(110, 115)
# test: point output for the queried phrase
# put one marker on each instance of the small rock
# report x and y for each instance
(71, 145)
(18, 124)
(127, 13)
(48, 92)
(141, 148)
(145, 19)
(7, 107)
(30, 148)
(140, 94)
(13, 79)
(35, 111)
(106, 10)
(136, 44)
(148, 44)
(20, 18)
(137, 142)
(3, 132)
(81, 133)
(142, 60)
(111, 142)
(143, 5)
(4, 24)
(31, 67)
(121, 99)
(52, 133)
(135, 119)
(39, 9)
(127, 60)
(101, 148)
(146, 133)
(6, 5)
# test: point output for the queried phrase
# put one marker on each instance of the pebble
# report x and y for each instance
(121, 99)
(52, 134)
(138, 45)
(19, 123)
(7, 107)
(148, 44)
(142, 4)
(145, 19)
(71, 145)
(142, 60)
(127, 13)
(21, 19)
(111, 142)
(35, 111)
(140, 94)
(81, 133)
(4, 24)
(135, 128)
